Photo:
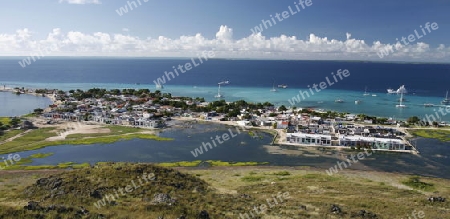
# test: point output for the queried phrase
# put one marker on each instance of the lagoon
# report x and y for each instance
(16, 105)
(432, 161)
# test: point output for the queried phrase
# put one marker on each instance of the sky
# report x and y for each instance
(322, 30)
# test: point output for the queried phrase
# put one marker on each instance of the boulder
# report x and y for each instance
(203, 215)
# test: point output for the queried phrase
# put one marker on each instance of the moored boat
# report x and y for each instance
(446, 101)
(401, 90)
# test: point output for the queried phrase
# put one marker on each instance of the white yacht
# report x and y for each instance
(218, 93)
(273, 88)
(446, 101)
(401, 105)
(365, 92)
(401, 90)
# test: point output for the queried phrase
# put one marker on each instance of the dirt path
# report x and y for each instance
(16, 136)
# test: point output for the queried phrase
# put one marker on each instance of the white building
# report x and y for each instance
(371, 142)
(309, 139)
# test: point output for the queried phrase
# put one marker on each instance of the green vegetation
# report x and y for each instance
(5, 120)
(41, 155)
(113, 130)
(104, 139)
(216, 163)
(21, 164)
(440, 134)
(282, 173)
(30, 141)
(10, 134)
(58, 166)
(223, 163)
(415, 183)
(36, 139)
(181, 164)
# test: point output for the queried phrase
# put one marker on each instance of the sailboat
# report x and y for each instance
(273, 88)
(446, 101)
(365, 92)
(401, 102)
(339, 100)
(218, 93)
(224, 83)
(401, 90)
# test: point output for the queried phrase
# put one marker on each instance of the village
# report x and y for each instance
(152, 110)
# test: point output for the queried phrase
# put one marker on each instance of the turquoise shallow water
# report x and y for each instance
(382, 105)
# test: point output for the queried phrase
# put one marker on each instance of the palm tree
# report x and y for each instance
(282, 108)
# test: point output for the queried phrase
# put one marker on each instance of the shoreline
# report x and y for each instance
(11, 90)
(279, 134)
(280, 137)
(325, 101)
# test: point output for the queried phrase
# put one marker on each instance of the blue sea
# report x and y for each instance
(250, 80)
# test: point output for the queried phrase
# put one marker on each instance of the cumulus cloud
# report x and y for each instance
(81, 2)
(75, 43)
(225, 33)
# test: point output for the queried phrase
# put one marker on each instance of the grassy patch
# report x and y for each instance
(10, 134)
(282, 173)
(41, 155)
(105, 139)
(114, 130)
(58, 166)
(181, 164)
(223, 163)
(215, 163)
(414, 182)
(21, 164)
(5, 120)
(29, 141)
(36, 139)
(440, 134)
(252, 178)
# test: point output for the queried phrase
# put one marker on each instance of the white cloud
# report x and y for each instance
(125, 30)
(75, 43)
(225, 34)
(81, 2)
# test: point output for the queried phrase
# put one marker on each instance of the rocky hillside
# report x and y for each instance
(117, 190)
(135, 191)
